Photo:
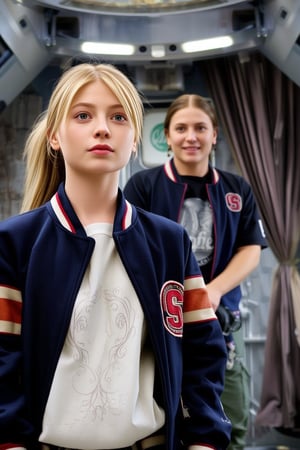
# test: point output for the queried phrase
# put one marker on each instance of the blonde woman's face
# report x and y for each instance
(191, 136)
(97, 136)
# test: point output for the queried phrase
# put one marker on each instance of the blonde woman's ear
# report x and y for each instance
(53, 141)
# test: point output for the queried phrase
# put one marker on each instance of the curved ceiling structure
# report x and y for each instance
(146, 30)
(145, 34)
(142, 7)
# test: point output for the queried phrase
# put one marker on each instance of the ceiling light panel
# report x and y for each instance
(143, 7)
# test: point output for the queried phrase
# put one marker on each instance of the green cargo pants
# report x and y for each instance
(235, 397)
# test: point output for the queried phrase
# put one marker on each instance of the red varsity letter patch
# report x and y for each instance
(233, 202)
(171, 298)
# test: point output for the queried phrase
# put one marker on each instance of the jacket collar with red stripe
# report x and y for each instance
(172, 174)
(61, 207)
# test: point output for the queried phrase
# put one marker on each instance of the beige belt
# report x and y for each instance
(55, 447)
(144, 444)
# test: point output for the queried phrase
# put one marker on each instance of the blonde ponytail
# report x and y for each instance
(44, 167)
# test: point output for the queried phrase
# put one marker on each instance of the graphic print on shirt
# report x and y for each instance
(105, 372)
(197, 219)
(101, 386)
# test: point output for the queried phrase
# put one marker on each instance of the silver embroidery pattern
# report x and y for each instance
(98, 383)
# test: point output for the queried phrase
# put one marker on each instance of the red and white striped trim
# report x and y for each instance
(10, 310)
(127, 219)
(197, 306)
(61, 214)
(169, 171)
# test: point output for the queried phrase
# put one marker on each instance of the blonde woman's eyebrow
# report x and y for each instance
(94, 105)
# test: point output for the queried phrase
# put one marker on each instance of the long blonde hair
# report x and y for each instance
(44, 166)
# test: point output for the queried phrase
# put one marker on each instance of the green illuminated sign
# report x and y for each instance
(158, 139)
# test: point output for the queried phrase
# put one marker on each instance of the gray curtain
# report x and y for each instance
(259, 109)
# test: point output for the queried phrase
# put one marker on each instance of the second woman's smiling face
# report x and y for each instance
(191, 136)
(97, 136)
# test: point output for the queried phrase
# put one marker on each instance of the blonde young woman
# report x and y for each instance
(107, 337)
(218, 210)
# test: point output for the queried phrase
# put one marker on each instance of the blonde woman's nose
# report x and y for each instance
(102, 128)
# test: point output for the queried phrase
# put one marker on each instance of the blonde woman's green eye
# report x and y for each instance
(120, 117)
(82, 116)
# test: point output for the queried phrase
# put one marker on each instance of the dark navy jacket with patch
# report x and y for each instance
(44, 255)
(235, 216)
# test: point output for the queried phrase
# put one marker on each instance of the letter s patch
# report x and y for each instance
(171, 297)
(233, 202)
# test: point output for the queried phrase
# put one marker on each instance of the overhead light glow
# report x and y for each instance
(158, 51)
(105, 48)
(207, 44)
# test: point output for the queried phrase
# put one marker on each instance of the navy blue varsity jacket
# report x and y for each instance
(44, 254)
(236, 219)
